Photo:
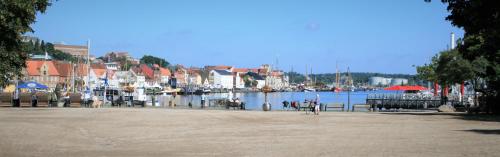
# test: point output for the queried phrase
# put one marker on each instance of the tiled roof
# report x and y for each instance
(33, 67)
(81, 70)
(223, 72)
(99, 72)
(147, 71)
(64, 69)
(165, 72)
(240, 70)
(97, 66)
(218, 67)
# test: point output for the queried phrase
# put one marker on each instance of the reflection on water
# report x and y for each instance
(254, 101)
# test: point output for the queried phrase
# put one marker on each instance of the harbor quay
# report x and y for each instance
(181, 132)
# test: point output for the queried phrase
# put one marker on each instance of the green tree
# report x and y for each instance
(147, 59)
(481, 45)
(124, 63)
(452, 68)
(255, 83)
(15, 19)
(427, 72)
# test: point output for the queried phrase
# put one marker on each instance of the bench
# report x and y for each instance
(306, 106)
(365, 106)
(75, 100)
(25, 100)
(235, 105)
(5, 100)
(334, 106)
(42, 99)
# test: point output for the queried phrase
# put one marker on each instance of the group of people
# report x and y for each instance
(313, 104)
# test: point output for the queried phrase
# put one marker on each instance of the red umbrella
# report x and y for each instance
(415, 88)
(395, 88)
(405, 88)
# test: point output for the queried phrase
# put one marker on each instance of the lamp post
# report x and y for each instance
(266, 106)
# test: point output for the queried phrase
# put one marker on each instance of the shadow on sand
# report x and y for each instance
(484, 131)
(458, 115)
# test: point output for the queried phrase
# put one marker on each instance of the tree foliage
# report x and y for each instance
(15, 19)
(451, 63)
(39, 49)
(358, 77)
(480, 19)
(147, 59)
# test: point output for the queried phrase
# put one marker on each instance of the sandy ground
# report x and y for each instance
(180, 132)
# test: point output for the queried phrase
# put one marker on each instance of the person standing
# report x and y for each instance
(203, 100)
(316, 105)
(16, 97)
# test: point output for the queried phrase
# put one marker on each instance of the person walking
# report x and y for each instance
(316, 105)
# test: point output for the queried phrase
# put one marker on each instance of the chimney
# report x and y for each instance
(452, 41)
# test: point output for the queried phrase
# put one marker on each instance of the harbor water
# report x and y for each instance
(254, 100)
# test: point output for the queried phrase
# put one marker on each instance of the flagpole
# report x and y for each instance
(89, 90)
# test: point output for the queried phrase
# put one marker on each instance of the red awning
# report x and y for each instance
(405, 88)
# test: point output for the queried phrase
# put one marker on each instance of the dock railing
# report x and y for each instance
(407, 101)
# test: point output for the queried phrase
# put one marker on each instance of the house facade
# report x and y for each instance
(44, 72)
(221, 79)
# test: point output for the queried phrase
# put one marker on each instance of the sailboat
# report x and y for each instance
(308, 88)
(337, 88)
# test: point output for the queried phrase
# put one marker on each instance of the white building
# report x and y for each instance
(111, 66)
(238, 81)
(221, 79)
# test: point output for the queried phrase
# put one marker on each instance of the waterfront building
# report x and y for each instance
(277, 80)
(97, 77)
(44, 72)
(124, 77)
(238, 81)
(181, 76)
(194, 77)
(261, 82)
(164, 75)
(221, 79)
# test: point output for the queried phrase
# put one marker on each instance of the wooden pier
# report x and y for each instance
(407, 101)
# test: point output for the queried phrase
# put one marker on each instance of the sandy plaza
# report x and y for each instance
(183, 132)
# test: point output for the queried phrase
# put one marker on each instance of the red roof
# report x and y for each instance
(147, 71)
(165, 72)
(33, 68)
(99, 72)
(98, 66)
(405, 88)
(81, 70)
(240, 70)
(218, 67)
(64, 68)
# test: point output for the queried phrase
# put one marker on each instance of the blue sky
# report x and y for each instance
(387, 36)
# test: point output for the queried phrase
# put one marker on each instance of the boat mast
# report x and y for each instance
(306, 78)
(88, 65)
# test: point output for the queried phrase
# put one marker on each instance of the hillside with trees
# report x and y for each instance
(40, 47)
(147, 59)
(358, 77)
